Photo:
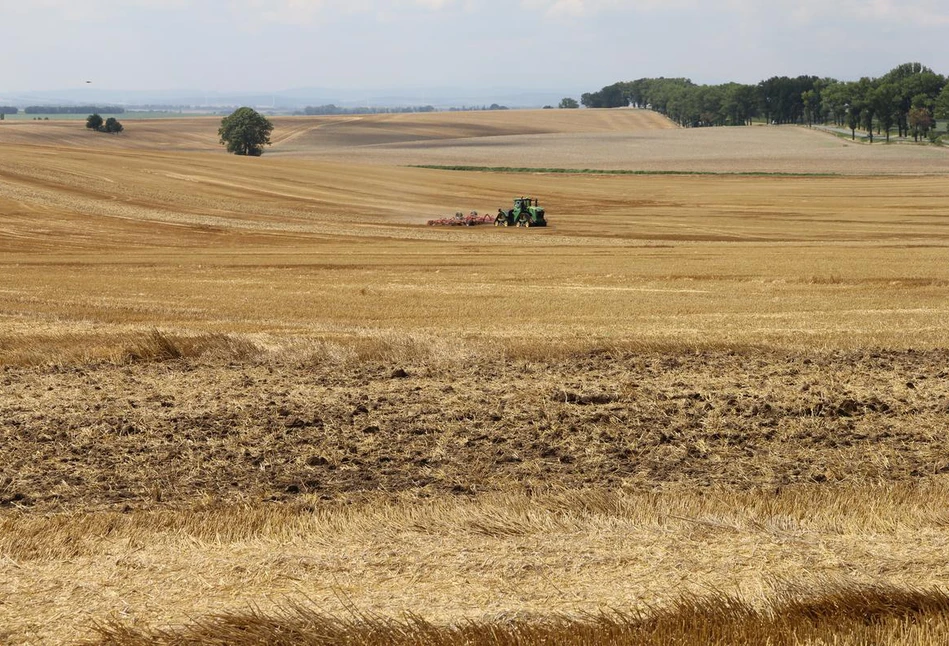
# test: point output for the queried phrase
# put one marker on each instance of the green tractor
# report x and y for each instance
(526, 213)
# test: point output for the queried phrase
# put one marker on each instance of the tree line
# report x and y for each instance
(479, 108)
(73, 109)
(909, 98)
(333, 109)
(9, 109)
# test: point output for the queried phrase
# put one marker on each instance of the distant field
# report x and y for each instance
(752, 149)
(240, 394)
(345, 133)
(595, 139)
(130, 115)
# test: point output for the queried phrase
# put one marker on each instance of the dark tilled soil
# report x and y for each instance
(157, 433)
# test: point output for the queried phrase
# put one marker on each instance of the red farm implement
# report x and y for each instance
(462, 220)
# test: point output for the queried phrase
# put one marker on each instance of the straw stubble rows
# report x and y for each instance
(233, 384)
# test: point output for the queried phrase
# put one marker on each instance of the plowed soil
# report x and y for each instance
(142, 434)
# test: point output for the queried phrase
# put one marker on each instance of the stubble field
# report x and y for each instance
(257, 399)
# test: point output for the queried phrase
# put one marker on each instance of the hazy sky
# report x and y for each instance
(270, 45)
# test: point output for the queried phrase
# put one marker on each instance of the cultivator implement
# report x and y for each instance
(462, 220)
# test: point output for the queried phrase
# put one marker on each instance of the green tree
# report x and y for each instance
(781, 98)
(923, 101)
(885, 100)
(821, 113)
(835, 99)
(740, 103)
(911, 80)
(811, 101)
(245, 132)
(612, 96)
(94, 122)
(709, 101)
(567, 103)
(866, 119)
(862, 91)
(854, 114)
(942, 105)
(112, 126)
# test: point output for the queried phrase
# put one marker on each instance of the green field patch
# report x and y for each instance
(594, 171)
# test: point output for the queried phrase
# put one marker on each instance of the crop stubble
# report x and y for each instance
(185, 331)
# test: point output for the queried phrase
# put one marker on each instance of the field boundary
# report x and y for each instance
(594, 171)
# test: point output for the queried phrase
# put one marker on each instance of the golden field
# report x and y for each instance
(260, 395)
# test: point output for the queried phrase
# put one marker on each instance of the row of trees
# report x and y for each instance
(110, 125)
(479, 108)
(74, 109)
(9, 109)
(908, 98)
(333, 109)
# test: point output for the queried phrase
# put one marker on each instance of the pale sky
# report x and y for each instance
(272, 45)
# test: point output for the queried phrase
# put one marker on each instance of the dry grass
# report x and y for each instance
(846, 616)
(502, 562)
(257, 395)
(290, 250)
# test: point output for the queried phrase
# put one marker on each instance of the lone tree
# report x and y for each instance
(568, 104)
(112, 126)
(94, 122)
(245, 132)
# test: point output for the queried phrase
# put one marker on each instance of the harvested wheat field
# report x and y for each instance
(258, 401)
